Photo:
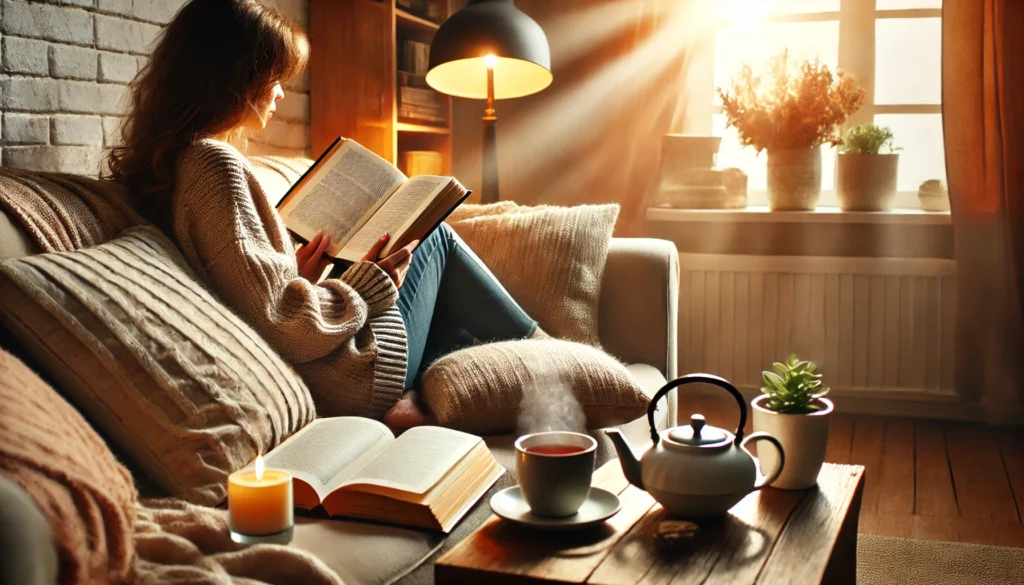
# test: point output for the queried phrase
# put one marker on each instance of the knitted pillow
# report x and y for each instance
(166, 373)
(86, 496)
(532, 385)
(550, 259)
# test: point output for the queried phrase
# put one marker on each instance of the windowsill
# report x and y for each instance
(762, 214)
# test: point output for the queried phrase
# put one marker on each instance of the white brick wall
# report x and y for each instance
(64, 70)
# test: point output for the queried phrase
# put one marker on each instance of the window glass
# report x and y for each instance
(738, 8)
(805, 41)
(908, 61)
(923, 156)
(903, 4)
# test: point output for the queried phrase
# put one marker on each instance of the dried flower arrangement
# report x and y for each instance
(790, 109)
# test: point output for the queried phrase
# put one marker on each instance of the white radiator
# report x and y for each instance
(875, 326)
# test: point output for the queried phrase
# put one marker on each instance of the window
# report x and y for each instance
(892, 48)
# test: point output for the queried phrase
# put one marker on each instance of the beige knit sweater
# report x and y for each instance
(344, 336)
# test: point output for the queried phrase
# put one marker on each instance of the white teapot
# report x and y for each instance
(695, 470)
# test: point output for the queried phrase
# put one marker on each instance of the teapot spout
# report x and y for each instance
(629, 462)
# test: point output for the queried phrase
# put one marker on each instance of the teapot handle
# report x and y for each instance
(761, 436)
(694, 379)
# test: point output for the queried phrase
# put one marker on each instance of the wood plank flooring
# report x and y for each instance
(925, 479)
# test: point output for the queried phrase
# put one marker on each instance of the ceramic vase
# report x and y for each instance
(933, 195)
(866, 182)
(804, 438)
(794, 178)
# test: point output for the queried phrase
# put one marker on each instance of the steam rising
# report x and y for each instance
(548, 404)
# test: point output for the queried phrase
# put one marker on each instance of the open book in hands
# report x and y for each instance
(355, 196)
(354, 467)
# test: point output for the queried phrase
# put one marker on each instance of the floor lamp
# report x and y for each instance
(489, 50)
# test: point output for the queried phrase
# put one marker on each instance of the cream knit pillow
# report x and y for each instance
(486, 388)
(550, 259)
(164, 371)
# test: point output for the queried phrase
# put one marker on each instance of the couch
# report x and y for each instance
(637, 324)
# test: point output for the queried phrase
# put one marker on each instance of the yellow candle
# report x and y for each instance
(260, 501)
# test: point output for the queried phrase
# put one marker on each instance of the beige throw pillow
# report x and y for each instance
(550, 259)
(167, 373)
(531, 385)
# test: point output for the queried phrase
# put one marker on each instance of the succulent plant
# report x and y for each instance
(868, 139)
(793, 387)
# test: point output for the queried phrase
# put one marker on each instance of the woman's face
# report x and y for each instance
(264, 110)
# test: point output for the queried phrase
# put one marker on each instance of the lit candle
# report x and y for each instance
(260, 501)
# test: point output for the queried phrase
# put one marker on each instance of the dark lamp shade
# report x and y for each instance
(489, 27)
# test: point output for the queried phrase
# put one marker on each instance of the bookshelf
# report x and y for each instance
(359, 65)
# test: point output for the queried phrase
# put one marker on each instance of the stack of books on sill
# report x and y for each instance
(416, 101)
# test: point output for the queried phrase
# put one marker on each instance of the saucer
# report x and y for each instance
(599, 506)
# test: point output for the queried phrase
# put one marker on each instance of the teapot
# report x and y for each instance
(696, 470)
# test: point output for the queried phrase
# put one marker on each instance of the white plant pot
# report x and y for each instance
(804, 437)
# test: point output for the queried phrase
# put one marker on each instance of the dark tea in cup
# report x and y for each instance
(554, 470)
(555, 449)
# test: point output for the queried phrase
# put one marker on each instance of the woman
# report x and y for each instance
(359, 341)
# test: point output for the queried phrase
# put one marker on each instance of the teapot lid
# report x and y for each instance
(698, 434)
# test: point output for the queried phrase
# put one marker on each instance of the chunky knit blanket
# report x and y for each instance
(102, 532)
(62, 212)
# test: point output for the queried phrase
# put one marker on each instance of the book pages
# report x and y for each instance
(329, 450)
(417, 460)
(406, 204)
(345, 194)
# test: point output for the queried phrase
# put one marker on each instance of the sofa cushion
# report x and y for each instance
(529, 385)
(169, 375)
(86, 497)
(550, 259)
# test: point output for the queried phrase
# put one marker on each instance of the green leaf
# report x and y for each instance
(792, 387)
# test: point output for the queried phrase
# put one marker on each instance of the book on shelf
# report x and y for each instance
(353, 467)
(416, 96)
(409, 79)
(422, 113)
(421, 162)
(415, 57)
(356, 196)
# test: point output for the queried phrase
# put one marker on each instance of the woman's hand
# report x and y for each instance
(312, 259)
(397, 264)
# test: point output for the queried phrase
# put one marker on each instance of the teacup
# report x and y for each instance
(555, 470)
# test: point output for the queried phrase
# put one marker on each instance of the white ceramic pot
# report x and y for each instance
(866, 182)
(804, 438)
(794, 178)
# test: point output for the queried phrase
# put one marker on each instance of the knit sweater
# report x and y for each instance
(344, 336)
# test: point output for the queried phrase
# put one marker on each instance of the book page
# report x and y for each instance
(329, 451)
(400, 210)
(352, 185)
(417, 460)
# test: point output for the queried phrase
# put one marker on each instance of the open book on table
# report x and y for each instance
(356, 196)
(354, 467)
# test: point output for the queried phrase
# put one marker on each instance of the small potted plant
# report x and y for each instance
(793, 409)
(866, 169)
(791, 112)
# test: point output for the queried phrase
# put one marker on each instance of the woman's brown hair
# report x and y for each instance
(211, 66)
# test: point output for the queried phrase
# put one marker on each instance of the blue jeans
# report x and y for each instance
(450, 300)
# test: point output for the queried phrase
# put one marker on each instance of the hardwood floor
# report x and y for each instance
(925, 479)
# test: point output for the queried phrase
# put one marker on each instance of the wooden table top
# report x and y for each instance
(771, 536)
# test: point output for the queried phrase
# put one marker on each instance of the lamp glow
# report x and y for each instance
(490, 61)
(259, 467)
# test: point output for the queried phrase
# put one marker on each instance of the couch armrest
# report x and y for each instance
(639, 304)
(27, 553)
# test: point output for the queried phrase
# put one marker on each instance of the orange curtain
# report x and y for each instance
(983, 118)
(593, 136)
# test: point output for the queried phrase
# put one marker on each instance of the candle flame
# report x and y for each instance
(259, 468)
(490, 61)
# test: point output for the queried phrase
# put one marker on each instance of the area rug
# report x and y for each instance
(882, 560)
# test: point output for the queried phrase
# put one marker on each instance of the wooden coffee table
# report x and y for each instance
(771, 536)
